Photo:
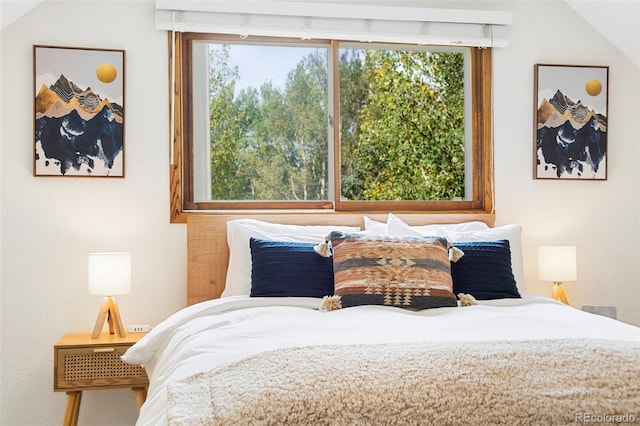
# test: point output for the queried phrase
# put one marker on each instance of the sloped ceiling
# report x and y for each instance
(617, 21)
(11, 10)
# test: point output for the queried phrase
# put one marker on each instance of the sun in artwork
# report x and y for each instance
(593, 87)
(106, 73)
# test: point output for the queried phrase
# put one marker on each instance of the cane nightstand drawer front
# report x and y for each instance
(87, 367)
(82, 363)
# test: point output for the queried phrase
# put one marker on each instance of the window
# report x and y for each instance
(254, 125)
(260, 128)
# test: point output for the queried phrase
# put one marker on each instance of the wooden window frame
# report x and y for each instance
(181, 162)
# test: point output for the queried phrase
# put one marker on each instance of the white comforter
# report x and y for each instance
(213, 333)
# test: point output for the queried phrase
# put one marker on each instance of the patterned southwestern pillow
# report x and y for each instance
(413, 273)
(289, 269)
(485, 270)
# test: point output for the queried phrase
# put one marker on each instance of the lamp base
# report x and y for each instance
(558, 293)
(109, 312)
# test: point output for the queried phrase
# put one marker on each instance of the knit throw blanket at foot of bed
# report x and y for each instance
(443, 383)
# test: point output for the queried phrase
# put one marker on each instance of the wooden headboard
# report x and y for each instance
(208, 253)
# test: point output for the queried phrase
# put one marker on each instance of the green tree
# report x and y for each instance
(264, 154)
(227, 123)
(285, 143)
(410, 144)
(353, 98)
(401, 134)
(306, 95)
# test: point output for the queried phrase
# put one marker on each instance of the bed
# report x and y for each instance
(279, 348)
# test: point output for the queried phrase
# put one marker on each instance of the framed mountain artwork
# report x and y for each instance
(570, 122)
(78, 112)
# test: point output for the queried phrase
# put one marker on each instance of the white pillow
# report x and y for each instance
(240, 231)
(373, 227)
(396, 226)
(470, 231)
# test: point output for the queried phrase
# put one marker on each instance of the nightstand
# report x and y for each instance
(82, 363)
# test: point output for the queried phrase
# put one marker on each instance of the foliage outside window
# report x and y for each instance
(406, 139)
(266, 142)
(402, 124)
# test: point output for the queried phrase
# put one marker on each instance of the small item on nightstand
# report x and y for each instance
(607, 311)
(142, 328)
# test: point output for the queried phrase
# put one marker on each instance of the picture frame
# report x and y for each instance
(570, 122)
(79, 111)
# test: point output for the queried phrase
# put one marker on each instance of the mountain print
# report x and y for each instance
(76, 131)
(571, 138)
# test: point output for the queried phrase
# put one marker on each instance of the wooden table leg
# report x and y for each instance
(141, 396)
(73, 408)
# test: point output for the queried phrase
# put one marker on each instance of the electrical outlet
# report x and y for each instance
(142, 328)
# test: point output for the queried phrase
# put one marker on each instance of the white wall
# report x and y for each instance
(600, 218)
(48, 225)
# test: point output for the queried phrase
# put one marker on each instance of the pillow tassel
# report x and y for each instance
(323, 248)
(467, 299)
(330, 303)
(454, 252)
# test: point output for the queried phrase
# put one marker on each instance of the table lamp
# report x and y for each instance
(109, 275)
(557, 264)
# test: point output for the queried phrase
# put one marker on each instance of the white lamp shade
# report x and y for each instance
(109, 273)
(557, 263)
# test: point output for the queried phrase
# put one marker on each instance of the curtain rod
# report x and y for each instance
(341, 10)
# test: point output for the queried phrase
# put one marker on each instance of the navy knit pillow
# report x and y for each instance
(289, 269)
(485, 270)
